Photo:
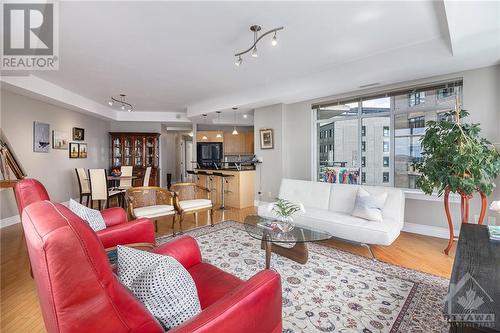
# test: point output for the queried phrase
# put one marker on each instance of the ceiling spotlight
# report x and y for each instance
(274, 41)
(120, 101)
(254, 52)
(245, 116)
(253, 49)
(238, 61)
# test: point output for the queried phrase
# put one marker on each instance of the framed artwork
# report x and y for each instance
(266, 138)
(60, 140)
(73, 150)
(82, 150)
(78, 134)
(41, 137)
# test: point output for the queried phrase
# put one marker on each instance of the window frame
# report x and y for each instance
(315, 123)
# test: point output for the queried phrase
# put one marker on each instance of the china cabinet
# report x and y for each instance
(140, 150)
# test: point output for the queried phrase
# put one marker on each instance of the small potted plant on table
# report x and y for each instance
(285, 209)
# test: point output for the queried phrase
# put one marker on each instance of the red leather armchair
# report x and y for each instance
(79, 293)
(118, 232)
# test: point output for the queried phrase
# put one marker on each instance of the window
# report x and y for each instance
(445, 92)
(378, 138)
(416, 98)
(385, 177)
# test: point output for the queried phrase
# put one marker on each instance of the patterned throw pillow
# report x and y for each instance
(161, 283)
(91, 216)
(369, 206)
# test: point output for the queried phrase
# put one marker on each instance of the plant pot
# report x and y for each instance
(286, 223)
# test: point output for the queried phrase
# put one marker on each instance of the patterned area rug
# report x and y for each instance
(335, 291)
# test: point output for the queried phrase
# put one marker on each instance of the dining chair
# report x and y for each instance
(126, 171)
(99, 188)
(147, 175)
(83, 184)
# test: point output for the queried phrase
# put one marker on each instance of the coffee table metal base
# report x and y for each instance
(298, 253)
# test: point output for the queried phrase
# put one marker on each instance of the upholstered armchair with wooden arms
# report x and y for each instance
(150, 202)
(191, 198)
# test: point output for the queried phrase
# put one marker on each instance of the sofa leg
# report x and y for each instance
(212, 217)
(156, 225)
(372, 256)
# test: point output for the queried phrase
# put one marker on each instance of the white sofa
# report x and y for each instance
(328, 207)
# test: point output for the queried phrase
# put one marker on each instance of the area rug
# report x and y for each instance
(335, 291)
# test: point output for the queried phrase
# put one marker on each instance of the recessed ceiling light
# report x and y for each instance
(245, 116)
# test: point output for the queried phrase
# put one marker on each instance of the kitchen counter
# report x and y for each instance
(239, 188)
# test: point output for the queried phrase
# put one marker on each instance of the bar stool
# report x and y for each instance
(192, 173)
(223, 179)
(208, 181)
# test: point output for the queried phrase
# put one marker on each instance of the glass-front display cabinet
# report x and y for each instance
(140, 150)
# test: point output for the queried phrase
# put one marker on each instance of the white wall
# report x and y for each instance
(270, 172)
(54, 169)
(293, 122)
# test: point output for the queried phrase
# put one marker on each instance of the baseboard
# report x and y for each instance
(428, 230)
(8, 221)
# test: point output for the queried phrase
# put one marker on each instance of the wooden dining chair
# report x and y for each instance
(99, 188)
(147, 175)
(83, 184)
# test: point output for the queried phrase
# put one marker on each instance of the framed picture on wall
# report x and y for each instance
(266, 138)
(41, 137)
(78, 134)
(74, 150)
(82, 150)
(60, 140)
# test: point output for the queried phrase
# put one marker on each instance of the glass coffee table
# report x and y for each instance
(270, 239)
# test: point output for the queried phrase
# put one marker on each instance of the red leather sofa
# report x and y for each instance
(79, 293)
(118, 230)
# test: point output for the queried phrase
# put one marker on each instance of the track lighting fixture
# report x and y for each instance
(121, 102)
(256, 39)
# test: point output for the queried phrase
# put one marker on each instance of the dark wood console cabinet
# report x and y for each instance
(139, 150)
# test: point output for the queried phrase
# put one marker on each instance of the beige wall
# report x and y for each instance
(54, 169)
(293, 123)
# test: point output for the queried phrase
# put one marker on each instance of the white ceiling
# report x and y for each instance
(176, 57)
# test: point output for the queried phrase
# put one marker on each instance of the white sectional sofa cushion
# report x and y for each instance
(329, 206)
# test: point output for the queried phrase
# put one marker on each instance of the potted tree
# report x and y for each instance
(457, 160)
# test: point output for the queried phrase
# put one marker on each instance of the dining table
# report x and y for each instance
(115, 180)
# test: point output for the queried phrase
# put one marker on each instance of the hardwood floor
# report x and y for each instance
(20, 311)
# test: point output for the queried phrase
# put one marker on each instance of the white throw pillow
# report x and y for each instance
(91, 216)
(161, 283)
(369, 206)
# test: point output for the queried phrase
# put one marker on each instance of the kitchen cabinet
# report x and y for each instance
(211, 136)
(241, 144)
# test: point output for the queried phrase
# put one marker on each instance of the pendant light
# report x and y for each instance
(235, 132)
(219, 135)
(204, 137)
